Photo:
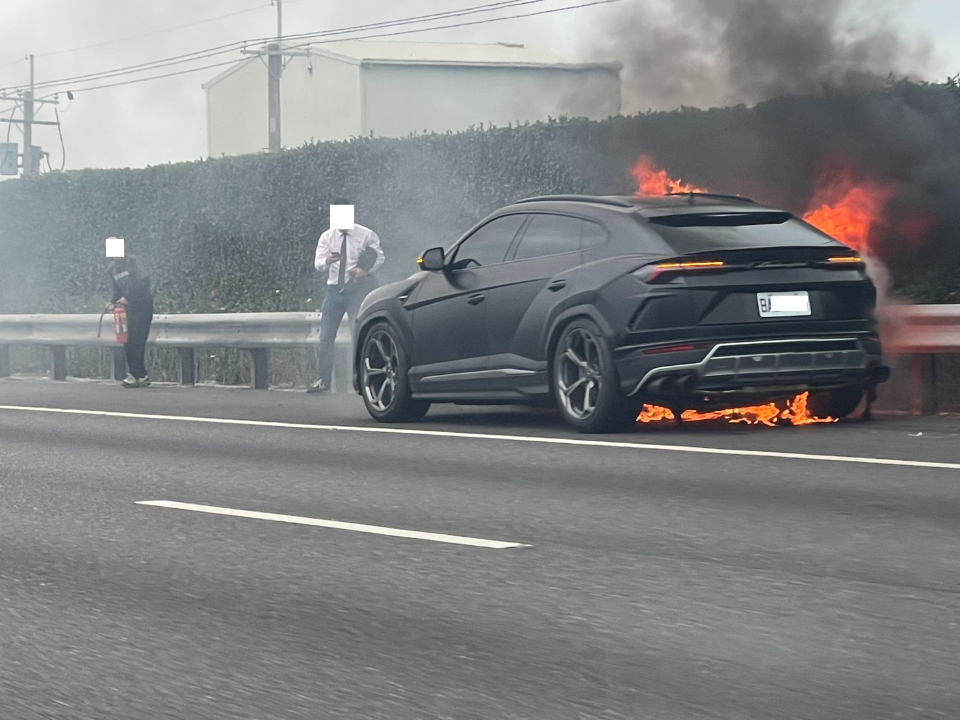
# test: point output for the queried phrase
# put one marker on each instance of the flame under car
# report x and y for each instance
(605, 305)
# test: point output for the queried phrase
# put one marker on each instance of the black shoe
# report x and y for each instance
(318, 387)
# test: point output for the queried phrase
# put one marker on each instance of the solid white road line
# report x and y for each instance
(577, 442)
(372, 529)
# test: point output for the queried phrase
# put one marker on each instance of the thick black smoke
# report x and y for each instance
(703, 53)
(830, 82)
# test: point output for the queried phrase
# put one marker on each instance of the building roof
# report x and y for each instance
(379, 52)
(387, 52)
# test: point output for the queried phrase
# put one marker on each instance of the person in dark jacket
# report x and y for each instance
(131, 288)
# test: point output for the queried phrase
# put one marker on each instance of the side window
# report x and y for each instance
(550, 235)
(489, 244)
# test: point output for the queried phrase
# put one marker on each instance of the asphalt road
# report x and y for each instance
(653, 579)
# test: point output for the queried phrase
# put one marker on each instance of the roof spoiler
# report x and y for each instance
(626, 202)
(714, 196)
(601, 200)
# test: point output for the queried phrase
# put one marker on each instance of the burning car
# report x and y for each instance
(690, 302)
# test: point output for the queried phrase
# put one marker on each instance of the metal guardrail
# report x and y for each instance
(922, 332)
(919, 331)
(256, 333)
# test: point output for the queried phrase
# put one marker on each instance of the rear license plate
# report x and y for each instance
(784, 304)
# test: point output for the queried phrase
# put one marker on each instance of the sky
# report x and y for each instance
(164, 120)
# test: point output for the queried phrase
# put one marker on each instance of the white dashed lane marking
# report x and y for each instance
(336, 525)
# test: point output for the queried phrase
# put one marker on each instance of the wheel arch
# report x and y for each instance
(561, 322)
(363, 330)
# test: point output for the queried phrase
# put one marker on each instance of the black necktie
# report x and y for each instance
(343, 259)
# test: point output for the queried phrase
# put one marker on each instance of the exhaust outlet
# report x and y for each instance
(672, 384)
(881, 374)
(655, 385)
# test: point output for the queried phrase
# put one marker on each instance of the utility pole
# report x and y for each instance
(274, 71)
(9, 152)
(28, 159)
(275, 53)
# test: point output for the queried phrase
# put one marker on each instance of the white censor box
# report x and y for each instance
(115, 247)
(341, 217)
(784, 304)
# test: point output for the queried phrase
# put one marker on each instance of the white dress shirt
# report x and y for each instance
(357, 239)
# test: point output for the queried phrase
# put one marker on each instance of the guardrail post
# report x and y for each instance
(924, 377)
(260, 360)
(59, 353)
(4, 361)
(188, 368)
(118, 363)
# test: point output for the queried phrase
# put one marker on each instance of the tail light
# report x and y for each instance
(846, 262)
(667, 271)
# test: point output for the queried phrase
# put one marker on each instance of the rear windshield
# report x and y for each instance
(731, 231)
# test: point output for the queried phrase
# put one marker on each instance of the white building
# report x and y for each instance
(391, 89)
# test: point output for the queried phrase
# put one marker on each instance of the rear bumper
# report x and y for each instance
(752, 367)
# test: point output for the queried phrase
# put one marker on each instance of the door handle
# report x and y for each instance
(476, 299)
(557, 285)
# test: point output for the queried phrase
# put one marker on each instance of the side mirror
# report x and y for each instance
(432, 259)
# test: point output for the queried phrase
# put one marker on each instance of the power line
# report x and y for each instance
(154, 32)
(121, 83)
(502, 5)
(364, 37)
(135, 37)
(209, 53)
(231, 47)
(473, 22)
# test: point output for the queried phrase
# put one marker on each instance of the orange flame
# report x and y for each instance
(840, 208)
(652, 180)
(847, 210)
(796, 412)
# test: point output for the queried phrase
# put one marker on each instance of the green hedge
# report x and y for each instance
(239, 234)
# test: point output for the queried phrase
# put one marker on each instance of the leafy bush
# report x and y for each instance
(238, 234)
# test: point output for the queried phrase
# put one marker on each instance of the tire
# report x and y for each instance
(836, 403)
(585, 381)
(384, 384)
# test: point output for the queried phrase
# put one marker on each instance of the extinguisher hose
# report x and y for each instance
(100, 326)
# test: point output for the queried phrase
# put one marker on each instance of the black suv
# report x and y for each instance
(602, 304)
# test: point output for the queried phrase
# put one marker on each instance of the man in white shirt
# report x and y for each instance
(349, 280)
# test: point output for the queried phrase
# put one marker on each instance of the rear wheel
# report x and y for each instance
(836, 403)
(383, 378)
(585, 381)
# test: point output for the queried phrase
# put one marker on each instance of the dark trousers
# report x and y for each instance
(139, 319)
(335, 306)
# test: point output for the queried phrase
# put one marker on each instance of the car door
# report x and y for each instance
(450, 309)
(549, 245)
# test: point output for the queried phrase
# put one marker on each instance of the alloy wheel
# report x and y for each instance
(381, 369)
(579, 374)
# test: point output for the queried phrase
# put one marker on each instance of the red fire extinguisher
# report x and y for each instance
(120, 324)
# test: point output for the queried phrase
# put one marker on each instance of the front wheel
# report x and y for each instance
(383, 378)
(585, 381)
